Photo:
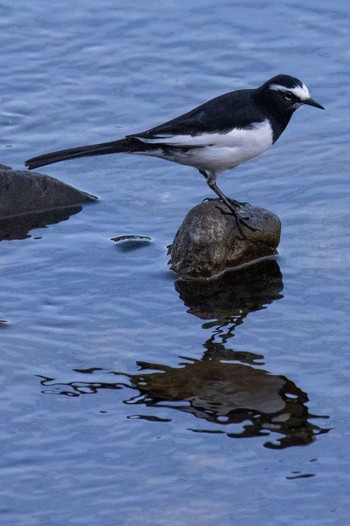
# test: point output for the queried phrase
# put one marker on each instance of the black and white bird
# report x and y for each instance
(220, 134)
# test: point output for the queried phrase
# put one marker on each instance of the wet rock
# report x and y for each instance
(209, 240)
(131, 242)
(22, 192)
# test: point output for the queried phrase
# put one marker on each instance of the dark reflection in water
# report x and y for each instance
(245, 400)
(255, 401)
(17, 227)
(227, 300)
(226, 388)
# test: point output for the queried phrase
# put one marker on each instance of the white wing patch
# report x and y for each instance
(204, 139)
(301, 92)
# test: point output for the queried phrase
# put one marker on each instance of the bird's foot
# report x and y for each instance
(233, 207)
(246, 224)
(234, 203)
(237, 203)
(239, 219)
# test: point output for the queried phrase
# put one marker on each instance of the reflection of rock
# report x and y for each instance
(244, 400)
(231, 296)
(231, 393)
(209, 241)
(17, 227)
(215, 389)
(22, 192)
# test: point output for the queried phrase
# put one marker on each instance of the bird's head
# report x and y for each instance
(285, 94)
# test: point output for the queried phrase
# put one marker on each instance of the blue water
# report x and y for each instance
(128, 398)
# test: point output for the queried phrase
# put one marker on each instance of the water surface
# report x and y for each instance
(129, 398)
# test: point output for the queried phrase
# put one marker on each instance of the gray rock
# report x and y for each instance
(22, 192)
(209, 241)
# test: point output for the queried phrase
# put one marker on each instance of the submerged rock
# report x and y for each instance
(209, 240)
(22, 192)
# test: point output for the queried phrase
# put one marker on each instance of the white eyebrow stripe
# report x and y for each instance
(301, 92)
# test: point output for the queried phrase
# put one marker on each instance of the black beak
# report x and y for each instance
(312, 102)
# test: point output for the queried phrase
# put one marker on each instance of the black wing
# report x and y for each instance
(232, 110)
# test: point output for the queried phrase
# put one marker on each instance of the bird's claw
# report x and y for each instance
(238, 203)
(240, 220)
(233, 202)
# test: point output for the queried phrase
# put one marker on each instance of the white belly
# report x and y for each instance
(216, 151)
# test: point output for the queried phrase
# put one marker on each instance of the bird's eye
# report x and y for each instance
(288, 95)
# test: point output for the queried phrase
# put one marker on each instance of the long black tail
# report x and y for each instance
(124, 145)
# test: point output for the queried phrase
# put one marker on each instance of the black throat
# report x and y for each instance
(277, 112)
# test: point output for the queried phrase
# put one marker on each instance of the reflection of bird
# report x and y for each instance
(216, 136)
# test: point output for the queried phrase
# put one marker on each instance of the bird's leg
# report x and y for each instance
(212, 186)
(205, 175)
(231, 204)
(220, 194)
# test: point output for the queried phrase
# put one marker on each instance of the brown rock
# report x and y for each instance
(209, 240)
